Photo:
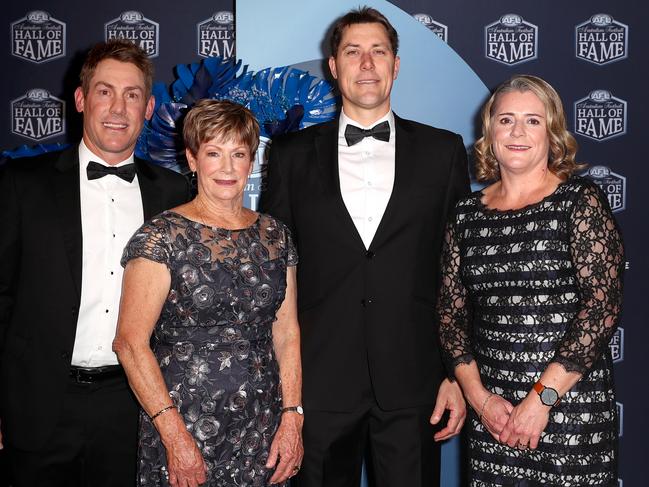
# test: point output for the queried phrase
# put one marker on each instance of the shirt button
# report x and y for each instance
(369, 254)
(369, 183)
(106, 311)
(369, 219)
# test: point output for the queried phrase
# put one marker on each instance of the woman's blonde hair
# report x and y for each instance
(563, 146)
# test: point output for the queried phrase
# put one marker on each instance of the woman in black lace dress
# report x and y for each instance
(531, 296)
(208, 331)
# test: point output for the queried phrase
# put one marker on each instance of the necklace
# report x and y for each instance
(227, 226)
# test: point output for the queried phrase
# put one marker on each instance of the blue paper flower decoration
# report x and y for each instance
(283, 100)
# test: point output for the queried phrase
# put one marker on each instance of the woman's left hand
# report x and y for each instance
(286, 450)
(526, 423)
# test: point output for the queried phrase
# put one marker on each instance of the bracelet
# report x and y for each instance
(484, 405)
(163, 410)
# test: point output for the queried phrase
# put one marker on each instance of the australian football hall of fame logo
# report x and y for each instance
(511, 40)
(216, 35)
(600, 116)
(37, 115)
(614, 186)
(134, 27)
(38, 37)
(435, 27)
(601, 40)
(257, 179)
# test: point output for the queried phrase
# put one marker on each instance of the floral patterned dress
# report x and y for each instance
(523, 288)
(213, 342)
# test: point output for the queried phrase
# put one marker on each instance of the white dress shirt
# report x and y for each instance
(111, 211)
(366, 172)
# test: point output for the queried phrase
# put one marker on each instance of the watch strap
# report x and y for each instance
(293, 409)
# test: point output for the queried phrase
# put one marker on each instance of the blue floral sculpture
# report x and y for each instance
(283, 100)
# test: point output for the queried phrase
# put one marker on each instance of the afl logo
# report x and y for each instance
(37, 115)
(601, 40)
(600, 116)
(38, 37)
(511, 40)
(215, 36)
(614, 187)
(135, 27)
(440, 30)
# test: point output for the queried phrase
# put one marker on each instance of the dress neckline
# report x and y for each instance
(212, 227)
(522, 209)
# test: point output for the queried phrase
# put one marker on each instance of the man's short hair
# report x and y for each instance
(119, 50)
(362, 15)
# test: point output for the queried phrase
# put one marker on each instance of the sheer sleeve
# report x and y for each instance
(598, 258)
(453, 306)
(289, 248)
(150, 241)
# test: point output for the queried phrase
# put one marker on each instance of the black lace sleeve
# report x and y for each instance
(598, 259)
(150, 241)
(453, 307)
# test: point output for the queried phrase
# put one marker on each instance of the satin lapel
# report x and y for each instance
(68, 202)
(151, 196)
(326, 143)
(405, 160)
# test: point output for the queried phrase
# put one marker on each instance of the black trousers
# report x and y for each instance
(401, 446)
(94, 442)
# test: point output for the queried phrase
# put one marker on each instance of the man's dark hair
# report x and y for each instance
(119, 50)
(362, 15)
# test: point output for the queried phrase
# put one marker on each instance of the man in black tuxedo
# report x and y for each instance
(68, 416)
(367, 197)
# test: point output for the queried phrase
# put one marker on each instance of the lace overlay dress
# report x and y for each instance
(522, 288)
(213, 342)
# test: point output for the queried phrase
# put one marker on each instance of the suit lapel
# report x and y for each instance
(405, 160)
(326, 143)
(68, 202)
(151, 196)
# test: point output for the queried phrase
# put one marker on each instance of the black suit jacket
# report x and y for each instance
(374, 307)
(40, 282)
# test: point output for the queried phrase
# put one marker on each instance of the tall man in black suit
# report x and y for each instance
(367, 197)
(68, 417)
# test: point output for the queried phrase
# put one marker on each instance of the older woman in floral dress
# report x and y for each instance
(208, 331)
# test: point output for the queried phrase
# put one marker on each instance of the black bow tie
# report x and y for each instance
(354, 134)
(96, 171)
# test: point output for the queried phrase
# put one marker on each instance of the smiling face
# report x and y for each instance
(365, 68)
(222, 168)
(114, 109)
(519, 134)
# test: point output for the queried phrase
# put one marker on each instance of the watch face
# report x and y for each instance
(549, 396)
(300, 410)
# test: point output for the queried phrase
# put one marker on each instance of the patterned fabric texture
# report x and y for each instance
(213, 342)
(523, 288)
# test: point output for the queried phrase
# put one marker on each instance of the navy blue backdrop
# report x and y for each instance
(594, 53)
